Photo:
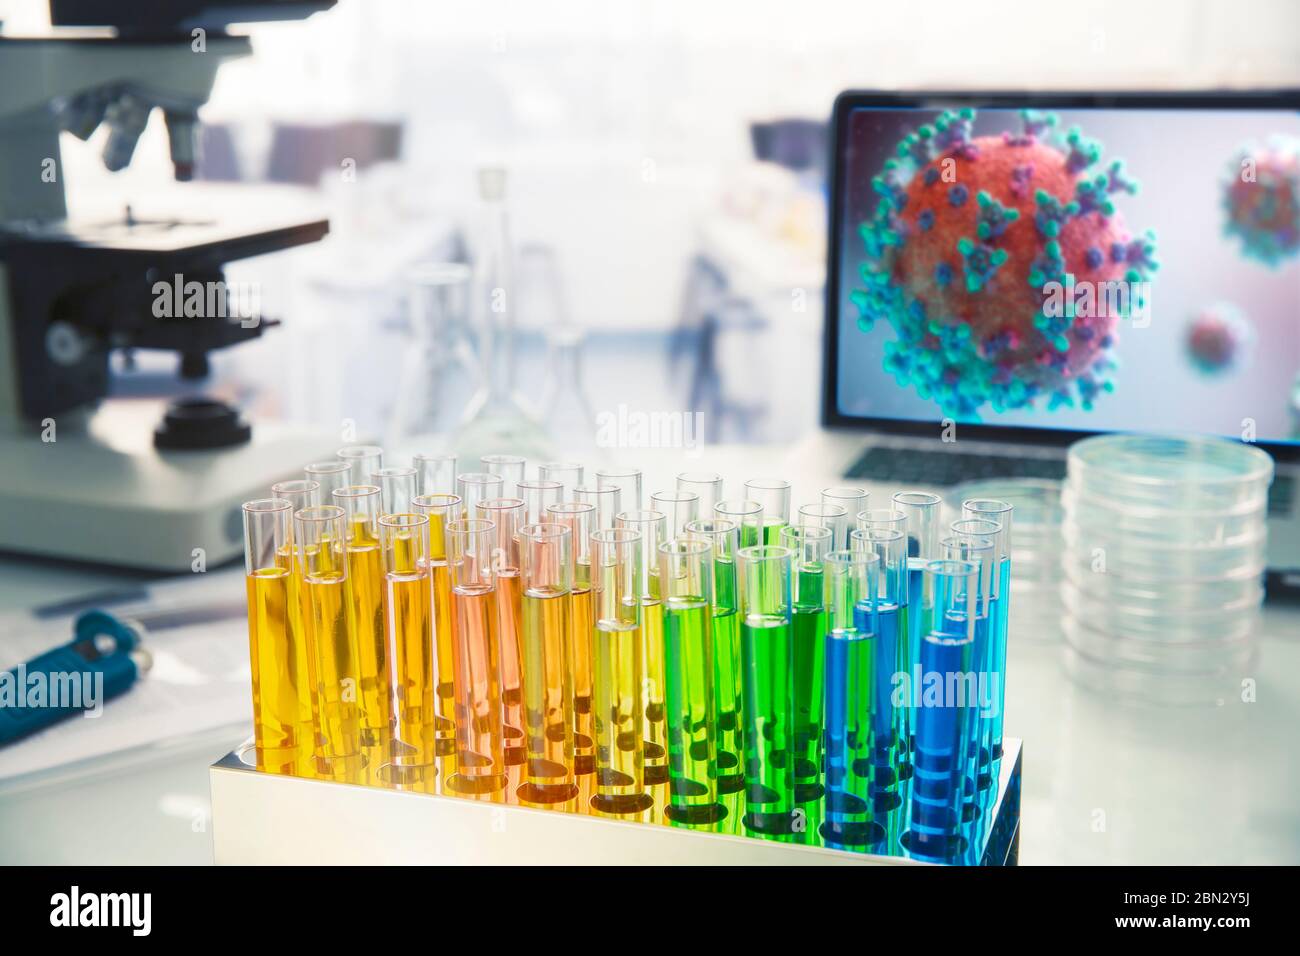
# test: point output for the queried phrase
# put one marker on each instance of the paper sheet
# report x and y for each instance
(199, 679)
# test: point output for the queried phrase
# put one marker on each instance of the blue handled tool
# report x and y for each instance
(103, 660)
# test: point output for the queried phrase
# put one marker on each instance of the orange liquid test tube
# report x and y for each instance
(507, 517)
(480, 751)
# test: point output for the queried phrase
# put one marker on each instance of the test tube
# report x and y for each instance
(991, 509)
(980, 551)
(942, 727)
(882, 518)
(748, 518)
(476, 486)
(724, 536)
(441, 509)
(480, 751)
(396, 489)
(360, 504)
(832, 517)
(767, 657)
(330, 475)
(434, 474)
(538, 495)
(706, 484)
(579, 518)
(364, 459)
(509, 467)
(507, 517)
(986, 546)
(808, 546)
(567, 473)
(851, 687)
(607, 502)
(404, 540)
(773, 494)
(548, 693)
(283, 731)
(679, 508)
(319, 541)
(921, 525)
(616, 652)
(888, 605)
(300, 493)
(650, 525)
(686, 580)
(627, 480)
(849, 497)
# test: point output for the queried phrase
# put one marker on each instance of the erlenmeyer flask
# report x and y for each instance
(566, 413)
(496, 417)
(439, 371)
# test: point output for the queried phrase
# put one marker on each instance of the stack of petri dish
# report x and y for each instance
(1163, 565)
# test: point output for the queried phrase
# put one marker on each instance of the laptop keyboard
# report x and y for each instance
(946, 468)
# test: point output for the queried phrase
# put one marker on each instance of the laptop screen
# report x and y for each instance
(1090, 269)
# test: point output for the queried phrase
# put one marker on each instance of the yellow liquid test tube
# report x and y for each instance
(506, 515)
(440, 509)
(365, 561)
(319, 542)
(651, 527)
(404, 540)
(620, 744)
(365, 460)
(283, 732)
(579, 518)
(480, 752)
(435, 474)
(547, 567)
(302, 493)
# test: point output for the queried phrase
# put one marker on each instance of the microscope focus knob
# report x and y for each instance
(64, 344)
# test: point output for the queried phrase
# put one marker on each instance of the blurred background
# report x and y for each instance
(665, 192)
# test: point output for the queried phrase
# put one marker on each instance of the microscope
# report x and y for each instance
(78, 478)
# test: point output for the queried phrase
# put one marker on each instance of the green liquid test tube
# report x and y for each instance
(728, 688)
(767, 660)
(773, 495)
(809, 546)
(686, 583)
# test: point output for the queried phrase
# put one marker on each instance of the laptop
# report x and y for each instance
(1011, 272)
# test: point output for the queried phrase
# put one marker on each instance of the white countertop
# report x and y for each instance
(1103, 782)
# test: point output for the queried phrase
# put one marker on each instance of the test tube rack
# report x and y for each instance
(261, 818)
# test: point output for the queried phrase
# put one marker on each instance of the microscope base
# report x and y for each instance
(95, 495)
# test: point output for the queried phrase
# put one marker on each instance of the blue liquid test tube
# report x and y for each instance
(849, 819)
(968, 544)
(992, 509)
(921, 525)
(888, 604)
(943, 725)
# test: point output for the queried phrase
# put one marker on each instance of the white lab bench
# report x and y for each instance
(1103, 782)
